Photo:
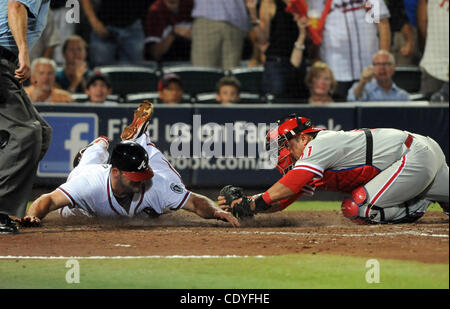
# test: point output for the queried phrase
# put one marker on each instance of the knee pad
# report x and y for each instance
(350, 205)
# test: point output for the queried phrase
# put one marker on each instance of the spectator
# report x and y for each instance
(98, 88)
(75, 72)
(218, 33)
(441, 96)
(168, 30)
(117, 34)
(283, 32)
(170, 89)
(65, 28)
(228, 90)
(349, 40)
(404, 36)
(376, 81)
(321, 83)
(42, 88)
(48, 41)
(433, 22)
(257, 58)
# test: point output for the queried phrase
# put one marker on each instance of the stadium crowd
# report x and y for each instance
(244, 51)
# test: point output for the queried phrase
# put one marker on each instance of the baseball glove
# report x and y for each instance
(239, 210)
(231, 193)
(242, 209)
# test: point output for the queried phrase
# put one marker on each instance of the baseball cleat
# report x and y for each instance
(140, 122)
(7, 225)
(101, 139)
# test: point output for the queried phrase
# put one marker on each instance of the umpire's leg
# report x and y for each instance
(25, 139)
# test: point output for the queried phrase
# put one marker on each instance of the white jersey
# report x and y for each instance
(435, 59)
(159, 164)
(88, 186)
(349, 41)
(89, 190)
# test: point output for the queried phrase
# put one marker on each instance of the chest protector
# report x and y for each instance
(348, 180)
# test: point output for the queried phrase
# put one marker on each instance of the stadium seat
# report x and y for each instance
(271, 99)
(152, 97)
(408, 78)
(246, 98)
(79, 97)
(82, 98)
(131, 79)
(196, 79)
(250, 78)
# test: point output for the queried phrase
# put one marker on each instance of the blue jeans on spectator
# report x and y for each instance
(123, 45)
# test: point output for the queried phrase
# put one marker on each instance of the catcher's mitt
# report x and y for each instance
(231, 193)
(242, 209)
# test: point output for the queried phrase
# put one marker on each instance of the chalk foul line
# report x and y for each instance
(13, 257)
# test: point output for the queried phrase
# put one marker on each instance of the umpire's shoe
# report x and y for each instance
(140, 122)
(444, 206)
(7, 225)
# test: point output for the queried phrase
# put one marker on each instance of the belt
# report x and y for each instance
(7, 54)
(277, 59)
(409, 141)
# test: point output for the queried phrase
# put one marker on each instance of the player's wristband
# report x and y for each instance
(266, 198)
(260, 204)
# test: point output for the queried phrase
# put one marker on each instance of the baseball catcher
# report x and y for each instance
(390, 176)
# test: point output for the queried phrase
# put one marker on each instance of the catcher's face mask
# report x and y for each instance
(285, 162)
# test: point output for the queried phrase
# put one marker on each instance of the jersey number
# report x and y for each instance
(307, 152)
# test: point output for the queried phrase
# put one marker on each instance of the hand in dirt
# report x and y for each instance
(29, 221)
(227, 217)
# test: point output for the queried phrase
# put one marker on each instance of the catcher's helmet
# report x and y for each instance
(292, 125)
(132, 160)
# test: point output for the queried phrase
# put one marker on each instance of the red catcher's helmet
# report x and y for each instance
(293, 125)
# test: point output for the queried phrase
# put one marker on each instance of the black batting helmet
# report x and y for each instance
(132, 160)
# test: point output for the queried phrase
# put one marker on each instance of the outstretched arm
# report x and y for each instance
(280, 195)
(43, 205)
(205, 208)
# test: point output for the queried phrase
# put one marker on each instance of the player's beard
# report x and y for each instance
(128, 187)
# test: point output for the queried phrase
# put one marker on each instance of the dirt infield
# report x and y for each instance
(182, 233)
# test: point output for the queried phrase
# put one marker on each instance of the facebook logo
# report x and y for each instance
(71, 132)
